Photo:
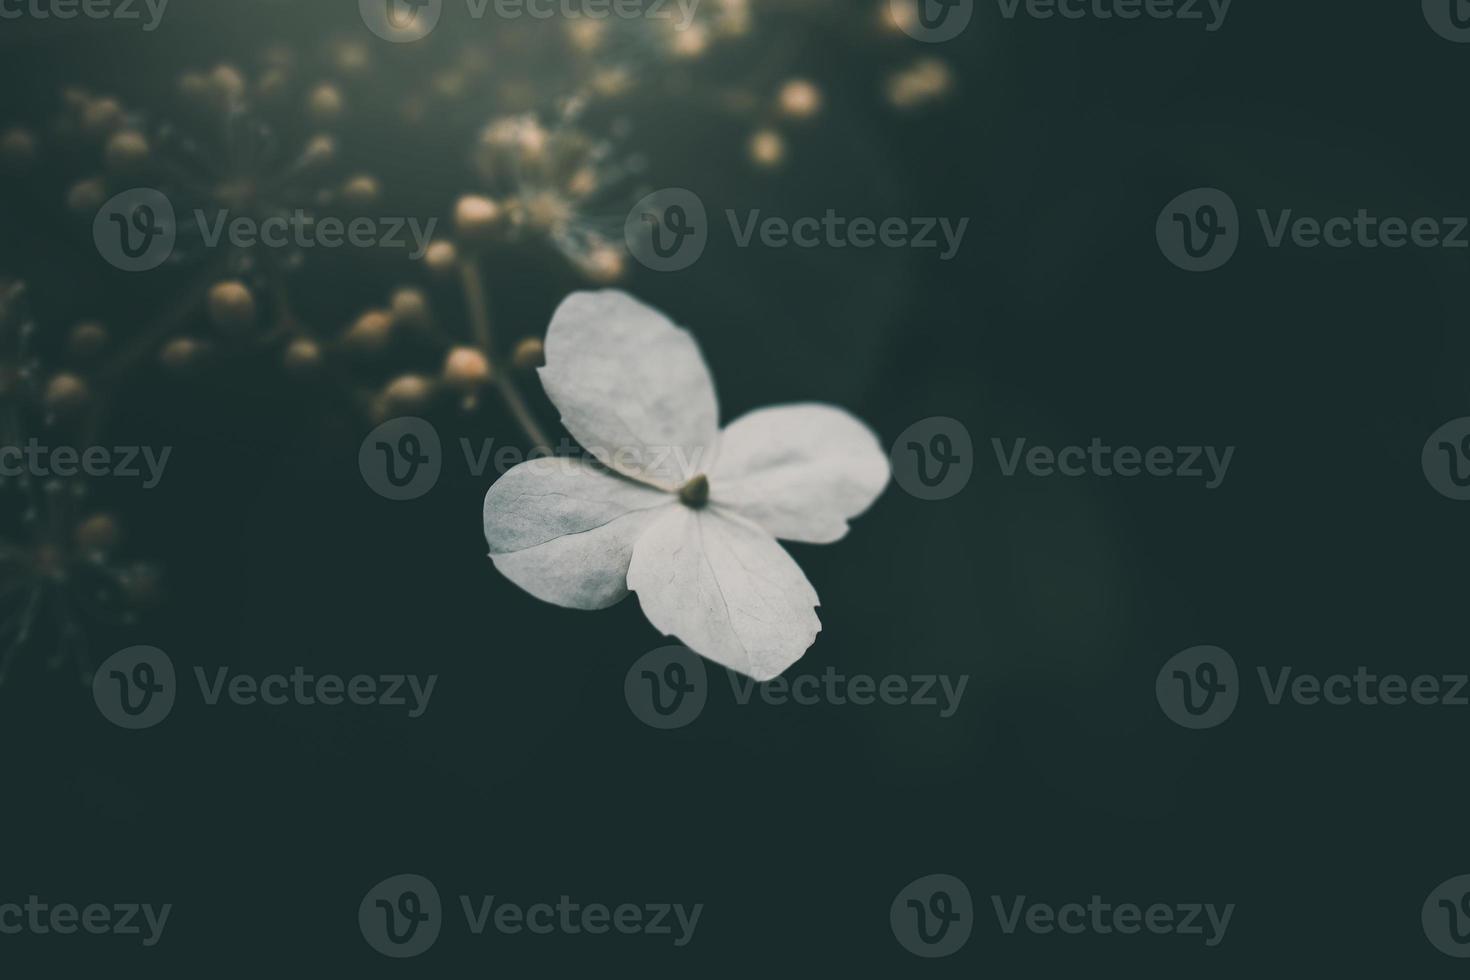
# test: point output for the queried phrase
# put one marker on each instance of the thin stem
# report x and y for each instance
(479, 310)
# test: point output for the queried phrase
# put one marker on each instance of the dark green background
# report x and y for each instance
(1059, 321)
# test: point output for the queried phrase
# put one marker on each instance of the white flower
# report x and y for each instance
(678, 511)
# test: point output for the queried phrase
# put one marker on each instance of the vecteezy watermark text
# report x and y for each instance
(1200, 688)
(402, 917)
(933, 917)
(137, 230)
(404, 21)
(34, 459)
(1211, 12)
(835, 231)
(668, 688)
(1099, 459)
(1101, 918)
(136, 688)
(1200, 230)
(124, 10)
(39, 918)
(669, 230)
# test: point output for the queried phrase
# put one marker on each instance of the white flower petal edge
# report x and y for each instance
(564, 529)
(726, 589)
(631, 387)
(799, 471)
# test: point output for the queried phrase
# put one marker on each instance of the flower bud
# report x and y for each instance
(303, 355)
(66, 393)
(17, 149)
(181, 353)
(321, 148)
(767, 148)
(127, 150)
(466, 369)
(407, 393)
(530, 354)
(441, 258)
(476, 218)
(799, 99)
(603, 264)
(87, 339)
(86, 195)
(231, 306)
(362, 190)
(226, 85)
(371, 332)
(101, 116)
(325, 103)
(410, 308)
(97, 534)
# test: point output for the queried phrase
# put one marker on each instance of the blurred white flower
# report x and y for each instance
(674, 508)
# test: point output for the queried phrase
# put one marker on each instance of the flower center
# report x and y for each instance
(695, 493)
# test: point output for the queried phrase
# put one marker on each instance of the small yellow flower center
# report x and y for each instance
(695, 493)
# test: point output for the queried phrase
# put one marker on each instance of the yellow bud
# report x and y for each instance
(441, 258)
(97, 534)
(126, 151)
(466, 369)
(87, 339)
(407, 393)
(66, 393)
(799, 99)
(476, 217)
(231, 306)
(302, 355)
(410, 308)
(371, 332)
(530, 354)
(325, 104)
(181, 353)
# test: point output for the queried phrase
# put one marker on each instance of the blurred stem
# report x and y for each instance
(479, 309)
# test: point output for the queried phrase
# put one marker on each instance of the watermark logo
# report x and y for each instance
(1446, 917)
(401, 21)
(667, 688)
(1199, 230)
(1450, 19)
(932, 21)
(668, 230)
(1098, 459)
(401, 459)
(933, 916)
(1446, 459)
(136, 230)
(401, 916)
(1199, 687)
(933, 459)
(135, 688)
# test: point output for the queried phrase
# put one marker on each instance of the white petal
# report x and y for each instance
(726, 589)
(563, 529)
(631, 387)
(799, 471)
